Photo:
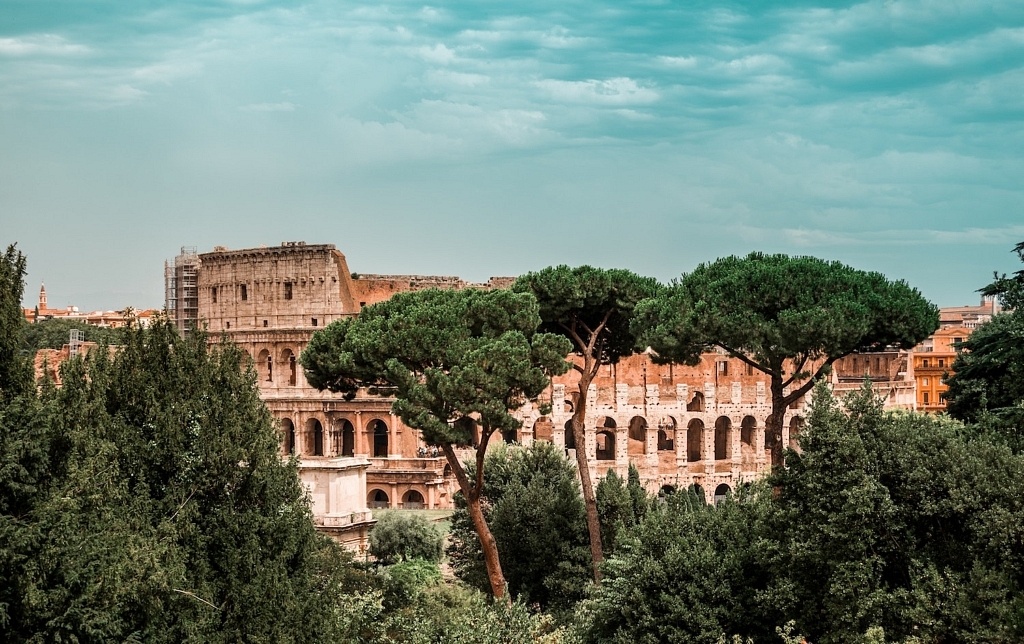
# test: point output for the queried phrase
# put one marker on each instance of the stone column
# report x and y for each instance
(622, 446)
(359, 447)
(680, 447)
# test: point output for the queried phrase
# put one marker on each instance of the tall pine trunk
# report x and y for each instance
(589, 498)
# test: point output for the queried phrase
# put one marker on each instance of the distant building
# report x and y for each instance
(181, 301)
(970, 317)
(107, 319)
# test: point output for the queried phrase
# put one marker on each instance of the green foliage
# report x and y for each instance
(15, 371)
(686, 573)
(405, 580)
(620, 505)
(1009, 289)
(536, 516)
(444, 356)
(54, 334)
(404, 535)
(163, 511)
(988, 375)
(575, 302)
(769, 308)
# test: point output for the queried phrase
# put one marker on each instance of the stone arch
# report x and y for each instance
(667, 434)
(606, 422)
(666, 490)
(348, 438)
(695, 440)
(696, 403)
(290, 366)
(378, 431)
(543, 430)
(265, 366)
(638, 429)
(377, 499)
(447, 471)
(288, 435)
(570, 437)
(722, 492)
(723, 438)
(413, 500)
(605, 445)
(748, 432)
(315, 435)
(796, 427)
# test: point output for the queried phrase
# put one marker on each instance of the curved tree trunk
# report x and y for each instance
(471, 491)
(589, 498)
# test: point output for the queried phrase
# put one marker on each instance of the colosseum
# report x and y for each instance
(681, 426)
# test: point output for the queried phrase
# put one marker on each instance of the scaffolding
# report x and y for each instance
(181, 289)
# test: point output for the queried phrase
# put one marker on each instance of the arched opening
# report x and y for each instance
(796, 427)
(748, 429)
(510, 436)
(570, 437)
(721, 492)
(696, 403)
(288, 435)
(348, 438)
(288, 360)
(695, 440)
(568, 407)
(667, 434)
(377, 500)
(447, 471)
(666, 490)
(265, 366)
(543, 429)
(379, 430)
(412, 500)
(316, 433)
(638, 429)
(605, 445)
(723, 438)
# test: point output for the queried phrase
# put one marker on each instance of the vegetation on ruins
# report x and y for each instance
(886, 522)
(593, 308)
(54, 334)
(456, 362)
(145, 500)
(788, 317)
(401, 536)
(538, 521)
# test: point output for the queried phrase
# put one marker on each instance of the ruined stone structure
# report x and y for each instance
(680, 426)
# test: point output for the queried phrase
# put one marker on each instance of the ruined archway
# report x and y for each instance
(265, 366)
(723, 438)
(543, 430)
(315, 433)
(570, 437)
(605, 445)
(348, 438)
(288, 435)
(722, 492)
(379, 430)
(667, 434)
(412, 500)
(696, 403)
(377, 500)
(638, 429)
(695, 440)
(748, 431)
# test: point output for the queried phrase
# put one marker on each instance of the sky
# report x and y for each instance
(495, 138)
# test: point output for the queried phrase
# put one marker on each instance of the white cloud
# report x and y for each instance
(41, 45)
(611, 91)
(438, 54)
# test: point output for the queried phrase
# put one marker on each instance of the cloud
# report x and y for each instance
(41, 45)
(612, 91)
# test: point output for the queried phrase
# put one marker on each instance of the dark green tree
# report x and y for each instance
(620, 504)
(455, 362)
(15, 370)
(788, 317)
(169, 514)
(1009, 289)
(593, 308)
(538, 521)
(399, 536)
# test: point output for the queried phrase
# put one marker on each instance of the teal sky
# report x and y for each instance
(486, 138)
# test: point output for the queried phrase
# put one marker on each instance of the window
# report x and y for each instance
(244, 292)
(287, 290)
(265, 323)
(213, 293)
(314, 321)
(924, 397)
(926, 363)
(227, 325)
(924, 381)
(942, 362)
(750, 369)
(723, 368)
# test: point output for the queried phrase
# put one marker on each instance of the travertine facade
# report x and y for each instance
(679, 425)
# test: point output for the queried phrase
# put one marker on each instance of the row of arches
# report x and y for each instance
(721, 492)
(378, 499)
(283, 369)
(695, 436)
(313, 440)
